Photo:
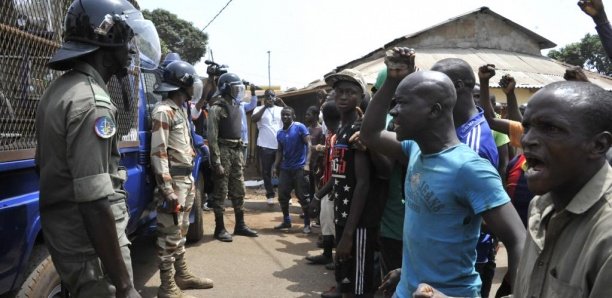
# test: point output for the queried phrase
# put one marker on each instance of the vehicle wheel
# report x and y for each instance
(42, 282)
(196, 229)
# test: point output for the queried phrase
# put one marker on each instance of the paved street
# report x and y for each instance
(271, 265)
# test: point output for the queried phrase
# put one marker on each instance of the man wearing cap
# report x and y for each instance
(268, 119)
(82, 199)
(356, 204)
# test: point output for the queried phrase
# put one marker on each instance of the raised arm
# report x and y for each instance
(373, 131)
(508, 84)
(485, 73)
(253, 103)
(595, 9)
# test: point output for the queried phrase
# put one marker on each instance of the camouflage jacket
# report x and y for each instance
(171, 145)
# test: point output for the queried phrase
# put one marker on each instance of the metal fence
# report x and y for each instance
(30, 32)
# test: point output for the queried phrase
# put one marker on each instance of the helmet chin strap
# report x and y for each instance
(186, 94)
(121, 74)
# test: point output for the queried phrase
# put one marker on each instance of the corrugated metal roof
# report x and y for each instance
(543, 42)
(528, 71)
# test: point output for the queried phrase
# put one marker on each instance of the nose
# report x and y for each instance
(529, 139)
(393, 112)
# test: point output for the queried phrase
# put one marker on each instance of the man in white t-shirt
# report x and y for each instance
(268, 119)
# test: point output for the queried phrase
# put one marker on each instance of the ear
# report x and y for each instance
(459, 84)
(600, 144)
(435, 111)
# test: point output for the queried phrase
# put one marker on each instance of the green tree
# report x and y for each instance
(178, 35)
(588, 53)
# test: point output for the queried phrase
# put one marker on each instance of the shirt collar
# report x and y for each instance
(543, 206)
(592, 191)
(90, 71)
(172, 104)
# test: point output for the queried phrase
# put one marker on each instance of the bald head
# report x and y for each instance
(432, 86)
(459, 71)
(590, 102)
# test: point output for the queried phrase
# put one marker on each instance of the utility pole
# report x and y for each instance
(269, 80)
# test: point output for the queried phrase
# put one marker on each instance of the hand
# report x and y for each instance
(357, 143)
(319, 148)
(591, 7)
(400, 62)
(486, 72)
(508, 84)
(253, 88)
(279, 102)
(219, 170)
(210, 70)
(171, 203)
(306, 169)
(343, 249)
(427, 291)
(390, 282)
(275, 171)
(313, 208)
(129, 293)
(575, 74)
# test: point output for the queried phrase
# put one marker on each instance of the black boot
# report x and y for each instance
(221, 233)
(326, 257)
(241, 228)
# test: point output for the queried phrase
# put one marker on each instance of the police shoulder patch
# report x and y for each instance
(105, 127)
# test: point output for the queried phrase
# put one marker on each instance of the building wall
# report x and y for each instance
(522, 94)
(480, 30)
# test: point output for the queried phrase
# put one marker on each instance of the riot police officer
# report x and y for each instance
(225, 145)
(82, 200)
(172, 156)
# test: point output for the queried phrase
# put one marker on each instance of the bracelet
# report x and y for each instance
(316, 198)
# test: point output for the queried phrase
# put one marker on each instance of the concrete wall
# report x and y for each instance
(478, 30)
(522, 95)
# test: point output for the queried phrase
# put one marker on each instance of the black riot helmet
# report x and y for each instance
(176, 75)
(92, 24)
(231, 84)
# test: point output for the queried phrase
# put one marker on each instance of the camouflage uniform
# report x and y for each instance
(78, 166)
(229, 154)
(172, 157)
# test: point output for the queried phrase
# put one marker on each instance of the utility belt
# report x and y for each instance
(180, 171)
(231, 143)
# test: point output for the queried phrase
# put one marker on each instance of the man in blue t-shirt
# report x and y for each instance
(449, 190)
(292, 162)
(473, 130)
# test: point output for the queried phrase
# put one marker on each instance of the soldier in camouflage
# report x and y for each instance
(172, 155)
(224, 141)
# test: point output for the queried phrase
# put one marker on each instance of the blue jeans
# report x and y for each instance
(266, 161)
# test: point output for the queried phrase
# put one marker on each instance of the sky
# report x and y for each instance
(309, 38)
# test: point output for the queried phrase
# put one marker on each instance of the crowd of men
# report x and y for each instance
(419, 169)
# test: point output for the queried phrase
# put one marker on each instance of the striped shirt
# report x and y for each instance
(477, 135)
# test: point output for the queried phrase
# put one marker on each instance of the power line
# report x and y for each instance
(220, 11)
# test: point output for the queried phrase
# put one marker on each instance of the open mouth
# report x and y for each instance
(534, 165)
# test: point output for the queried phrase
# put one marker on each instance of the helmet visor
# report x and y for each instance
(237, 91)
(146, 39)
(198, 89)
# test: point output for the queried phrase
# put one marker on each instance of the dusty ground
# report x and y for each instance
(271, 265)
